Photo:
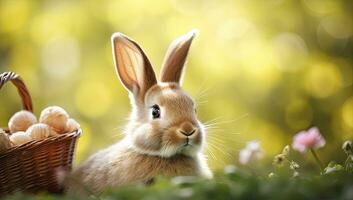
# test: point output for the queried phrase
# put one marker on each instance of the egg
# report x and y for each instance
(4, 141)
(40, 131)
(21, 120)
(19, 138)
(55, 117)
(72, 125)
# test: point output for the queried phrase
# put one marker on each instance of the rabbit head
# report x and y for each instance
(163, 120)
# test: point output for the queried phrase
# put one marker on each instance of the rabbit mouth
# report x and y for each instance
(188, 148)
(187, 142)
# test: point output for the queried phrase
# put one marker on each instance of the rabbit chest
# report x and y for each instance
(141, 168)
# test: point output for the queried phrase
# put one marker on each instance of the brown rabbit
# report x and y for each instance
(164, 136)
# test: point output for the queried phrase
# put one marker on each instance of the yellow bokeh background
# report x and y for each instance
(259, 70)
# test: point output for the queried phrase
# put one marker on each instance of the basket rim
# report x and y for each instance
(34, 144)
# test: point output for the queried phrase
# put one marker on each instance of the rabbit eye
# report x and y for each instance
(156, 111)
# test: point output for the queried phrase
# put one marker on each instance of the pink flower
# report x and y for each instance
(305, 140)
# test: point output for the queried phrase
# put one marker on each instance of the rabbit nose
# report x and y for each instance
(188, 133)
(187, 129)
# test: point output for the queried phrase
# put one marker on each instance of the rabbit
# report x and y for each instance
(163, 137)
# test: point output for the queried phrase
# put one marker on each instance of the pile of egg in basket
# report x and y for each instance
(24, 127)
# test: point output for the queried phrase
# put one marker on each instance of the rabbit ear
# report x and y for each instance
(132, 65)
(175, 58)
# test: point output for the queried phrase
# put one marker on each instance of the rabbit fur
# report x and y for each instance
(170, 145)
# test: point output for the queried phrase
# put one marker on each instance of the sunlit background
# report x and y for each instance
(259, 70)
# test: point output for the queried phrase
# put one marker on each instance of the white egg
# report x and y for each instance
(40, 131)
(19, 138)
(21, 120)
(55, 117)
(72, 125)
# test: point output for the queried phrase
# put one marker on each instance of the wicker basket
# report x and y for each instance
(31, 167)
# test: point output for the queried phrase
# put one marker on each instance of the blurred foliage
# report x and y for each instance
(236, 184)
(260, 70)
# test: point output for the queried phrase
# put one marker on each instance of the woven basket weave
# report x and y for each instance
(32, 167)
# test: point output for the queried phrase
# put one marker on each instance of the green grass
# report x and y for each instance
(236, 184)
